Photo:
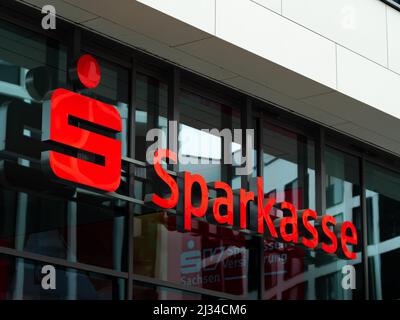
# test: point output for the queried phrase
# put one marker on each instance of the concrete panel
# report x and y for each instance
(200, 14)
(356, 24)
(154, 47)
(254, 67)
(358, 113)
(67, 10)
(284, 101)
(393, 20)
(279, 40)
(142, 19)
(371, 137)
(368, 82)
(274, 5)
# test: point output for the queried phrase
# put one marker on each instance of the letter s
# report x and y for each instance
(170, 202)
(65, 106)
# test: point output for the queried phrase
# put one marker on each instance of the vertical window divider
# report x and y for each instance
(260, 173)
(363, 204)
(174, 86)
(131, 206)
(320, 171)
(246, 117)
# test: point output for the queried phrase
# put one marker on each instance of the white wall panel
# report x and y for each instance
(242, 23)
(393, 20)
(359, 25)
(275, 5)
(368, 82)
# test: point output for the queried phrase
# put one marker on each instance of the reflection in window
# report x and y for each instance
(294, 272)
(22, 50)
(289, 167)
(203, 152)
(343, 203)
(289, 175)
(383, 211)
(75, 231)
(22, 280)
(210, 256)
(113, 89)
(151, 111)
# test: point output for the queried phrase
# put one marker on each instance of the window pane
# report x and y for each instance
(289, 167)
(289, 175)
(209, 256)
(74, 230)
(343, 203)
(205, 152)
(295, 272)
(114, 89)
(22, 280)
(151, 111)
(383, 211)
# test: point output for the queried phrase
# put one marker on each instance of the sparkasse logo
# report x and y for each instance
(304, 227)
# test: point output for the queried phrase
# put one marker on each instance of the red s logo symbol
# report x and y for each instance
(68, 113)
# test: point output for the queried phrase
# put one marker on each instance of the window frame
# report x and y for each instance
(392, 3)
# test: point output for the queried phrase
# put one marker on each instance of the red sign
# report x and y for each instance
(66, 105)
(348, 233)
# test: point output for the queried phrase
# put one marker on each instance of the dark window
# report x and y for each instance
(203, 152)
(383, 209)
(289, 175)
(209, 257)
(21, 279)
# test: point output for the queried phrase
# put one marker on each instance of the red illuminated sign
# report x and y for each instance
(348, 233)
(63, 107)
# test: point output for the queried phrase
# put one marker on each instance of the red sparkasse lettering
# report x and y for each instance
(200, 211)
(170, 202)
(345, 239)
(333, 247)
(264, 211)
(245, 198)
(223, 201)
(311, 229)
(294, 235)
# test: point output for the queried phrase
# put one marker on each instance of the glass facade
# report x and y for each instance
(117, 246)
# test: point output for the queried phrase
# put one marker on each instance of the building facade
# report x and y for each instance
(318, 83)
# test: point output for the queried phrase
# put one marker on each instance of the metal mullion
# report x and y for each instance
(320, 173)
(363, 204)
(260, 173)
(62, 262)
(302, 169)
(246, 123)
(174, 86)
(131, 206)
